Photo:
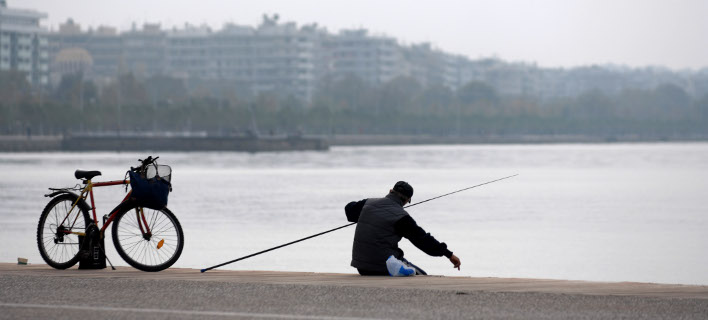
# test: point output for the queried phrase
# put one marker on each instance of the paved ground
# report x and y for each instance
(37, 291)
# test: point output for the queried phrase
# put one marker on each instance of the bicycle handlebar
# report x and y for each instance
(148, 160)
(144, 163)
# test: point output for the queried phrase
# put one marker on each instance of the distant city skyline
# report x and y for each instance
(551, 33)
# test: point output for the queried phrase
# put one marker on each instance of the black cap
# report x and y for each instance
(404, 188)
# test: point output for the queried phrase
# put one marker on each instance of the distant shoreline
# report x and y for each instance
(301, 143)
(160, 143)
(372, 140)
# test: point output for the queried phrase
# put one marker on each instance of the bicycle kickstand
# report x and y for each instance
(104, 254)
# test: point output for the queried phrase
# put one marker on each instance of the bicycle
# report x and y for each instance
(149, 240)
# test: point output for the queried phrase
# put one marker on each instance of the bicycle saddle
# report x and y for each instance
(80, 174)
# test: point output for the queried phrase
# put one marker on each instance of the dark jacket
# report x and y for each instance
(382, 222)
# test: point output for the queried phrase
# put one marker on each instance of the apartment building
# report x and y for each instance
(272, 57)
(140, 51)
(291, 60)
(144, 50)
(374, 59)
(188, 52)
(103, 45)
(23, 43)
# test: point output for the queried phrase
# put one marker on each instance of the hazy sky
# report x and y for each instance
(672, 33)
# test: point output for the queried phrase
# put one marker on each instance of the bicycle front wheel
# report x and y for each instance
(147, 239)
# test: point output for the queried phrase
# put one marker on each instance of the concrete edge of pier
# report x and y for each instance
(457, 284)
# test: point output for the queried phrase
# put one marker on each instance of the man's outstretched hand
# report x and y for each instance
(455, 261)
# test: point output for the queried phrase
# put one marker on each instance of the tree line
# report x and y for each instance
(340, 105)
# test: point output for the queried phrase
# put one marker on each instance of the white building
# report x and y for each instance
(23, 43)
(376, 60)
(188, 52)
(144, 51)
(271, 58)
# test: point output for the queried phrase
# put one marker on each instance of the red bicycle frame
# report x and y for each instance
(87, 192)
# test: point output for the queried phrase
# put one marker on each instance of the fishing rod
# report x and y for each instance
(346, 225)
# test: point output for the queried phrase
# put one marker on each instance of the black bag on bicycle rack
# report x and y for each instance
(151, 188)
(92, 254)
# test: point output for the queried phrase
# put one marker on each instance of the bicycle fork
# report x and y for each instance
(140, 216)
(147, 233)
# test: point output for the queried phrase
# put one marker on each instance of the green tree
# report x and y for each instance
(14, 86)
(593, 105)
(14, 90)
(478, 97)
(671, 102)
(162, 90)
(347, 93)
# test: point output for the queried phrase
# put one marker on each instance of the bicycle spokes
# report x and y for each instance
(148, 238)
(59, 233)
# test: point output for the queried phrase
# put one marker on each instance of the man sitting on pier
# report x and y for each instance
(381, 223)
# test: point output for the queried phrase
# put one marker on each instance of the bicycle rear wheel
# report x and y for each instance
(58, 245)
(153, 250)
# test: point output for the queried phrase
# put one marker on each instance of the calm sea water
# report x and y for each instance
(607, 212)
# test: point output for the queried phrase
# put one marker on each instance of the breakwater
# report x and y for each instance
(295, 143)
(160, 143)
(422, 139)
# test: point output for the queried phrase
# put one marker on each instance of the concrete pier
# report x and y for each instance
(38, 291)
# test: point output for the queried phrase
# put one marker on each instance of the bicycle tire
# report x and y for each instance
(148, 254)
(68, 255)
